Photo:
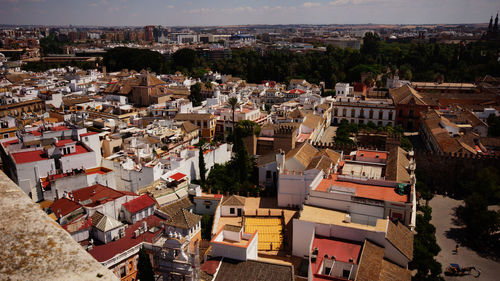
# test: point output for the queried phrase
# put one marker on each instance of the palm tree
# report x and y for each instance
(233, 103)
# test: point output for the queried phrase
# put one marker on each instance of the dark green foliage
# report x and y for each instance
(425, 248)
(417, 61)
(480, 223)
(344, 132)
(144, 267)
(494, 125)
(484, 190)
(51, 45)
(120, 58)
(195, 97)
(406, 143)
(201, 164)
(239, 174)
(206, 226)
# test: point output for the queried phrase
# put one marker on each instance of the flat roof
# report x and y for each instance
(326, 216)
(368, 191)
(29, 156)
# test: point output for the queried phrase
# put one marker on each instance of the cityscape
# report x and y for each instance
(186, 140)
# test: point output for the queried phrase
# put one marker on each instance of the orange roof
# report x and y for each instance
(376, 192)
(371, 154)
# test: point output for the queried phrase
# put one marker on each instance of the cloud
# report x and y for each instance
(202, 11)
(239, 10)
(311, 4)
(355, 2)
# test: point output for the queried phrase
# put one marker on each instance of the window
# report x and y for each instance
(390, 115)
(380, 115)
(5, 136)
(411, 113)
(122, 272)
(268, 174)
(400, 112)
(207, 207)
(231, 211)
(345, 112)
(346, 273)
(353, 111)
(371, 114)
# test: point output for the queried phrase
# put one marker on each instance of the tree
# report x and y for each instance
(425, 248)
(201, 163)
(493, 125)
(144, 267)
(206, 226)
(233, 103)
(479, 221)
(195, 96)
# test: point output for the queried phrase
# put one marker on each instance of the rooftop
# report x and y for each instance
(368, 191)
(29, 156)
(139, 203)
(97, 194)
(107, 251)
(341, 250)
(326, 216)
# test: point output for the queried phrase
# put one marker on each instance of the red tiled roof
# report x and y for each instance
(98, 194)
(177, 176)
(139, 203)
(88, 134)
(64, 206)
(210, 266)
(61, 143)
(376, 192)
(107, 251)
(341, 250)
(372, 154)
(29, 156)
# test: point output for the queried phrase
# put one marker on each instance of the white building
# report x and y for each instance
(381, 112)
(231, 242)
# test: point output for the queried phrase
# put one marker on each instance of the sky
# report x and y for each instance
(236, 12)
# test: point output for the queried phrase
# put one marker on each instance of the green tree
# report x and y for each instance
(206, 226)
(144, 267)
(493, 125)
(479, 221)
(201, 163)
(195, 96)
(233, 103)
(425, 248)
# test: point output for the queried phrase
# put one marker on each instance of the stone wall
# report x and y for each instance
(448, 172)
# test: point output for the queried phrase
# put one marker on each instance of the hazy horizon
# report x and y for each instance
(258, 12)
